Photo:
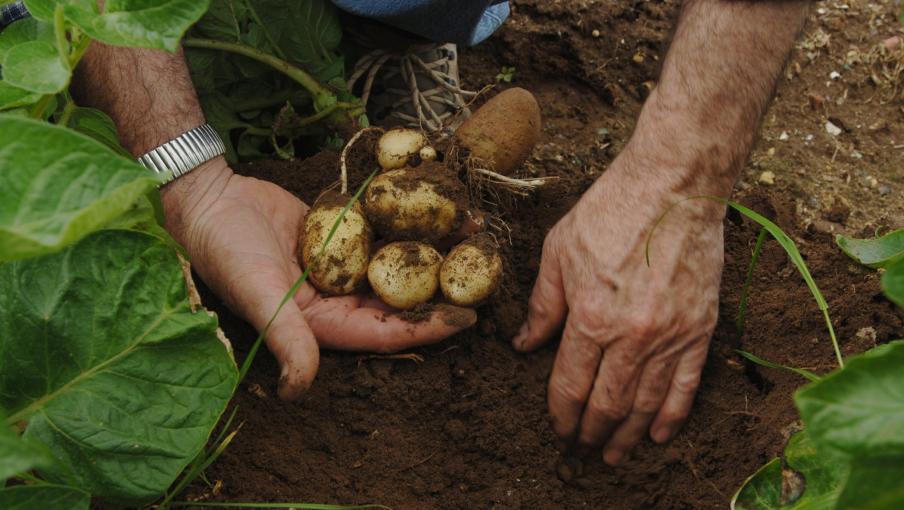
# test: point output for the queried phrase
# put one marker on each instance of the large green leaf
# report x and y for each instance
(36, 66)
(44, 497)
(56, 186)
(893, 282)
(134, 23)
(102, 355)
(874, 484)
(22, 31)
(805, 479)
(859, 410)
(874, 253)
(307, 32)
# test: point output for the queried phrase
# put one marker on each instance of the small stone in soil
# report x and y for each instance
(767, 178)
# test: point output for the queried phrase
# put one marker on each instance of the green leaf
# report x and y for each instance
(307, 32)
(101, 353)
(859, 410)
(36, 66)
(134, 23)
(56, 186)
(893, 282)
(22, 31)
(804, 479)
(43, 496)
(18, 455)
(874, 253)
(874, 485)
(14, 97)
(97, 125)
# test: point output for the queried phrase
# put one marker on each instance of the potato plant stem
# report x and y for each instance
(320, 92)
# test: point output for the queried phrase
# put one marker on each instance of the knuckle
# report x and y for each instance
(564, 392)
(611, 411)
(687, 383)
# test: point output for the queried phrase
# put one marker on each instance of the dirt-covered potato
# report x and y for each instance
(472, 271)
(424, 203)
(396, 146)
(503, 132)
(343, 266)
(405, 274)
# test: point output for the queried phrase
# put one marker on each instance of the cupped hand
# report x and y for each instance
(242, 236)
(635, 337)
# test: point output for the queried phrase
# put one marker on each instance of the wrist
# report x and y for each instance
(187, 197)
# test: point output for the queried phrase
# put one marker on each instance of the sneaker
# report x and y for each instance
(417, 87)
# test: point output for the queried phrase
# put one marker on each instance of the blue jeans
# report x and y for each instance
(465, 22)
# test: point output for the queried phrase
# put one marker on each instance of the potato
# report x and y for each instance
(472, 271)
(503, 132)
(343, 266)
(425, 203)
(396, 146)
(405, 274)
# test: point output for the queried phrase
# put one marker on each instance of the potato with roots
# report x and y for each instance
(426, 203)
(502, 133)
(405, 274)
(342, 267)
(472, 271)
(397, 146)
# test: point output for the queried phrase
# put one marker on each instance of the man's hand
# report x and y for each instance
(242, 235)
(635, 337)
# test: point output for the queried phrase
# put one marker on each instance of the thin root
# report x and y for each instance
(417, 358)
(521, 187)
(343, 165)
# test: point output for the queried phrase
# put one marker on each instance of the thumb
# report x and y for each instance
(289, 337)
(547, 308)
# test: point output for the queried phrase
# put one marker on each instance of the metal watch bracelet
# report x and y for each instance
(184, 153)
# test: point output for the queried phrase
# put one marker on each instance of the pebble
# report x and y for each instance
(832, 129)
(767, 178)
(834, 75)
(595, 33)
(871, 181)
(892, 43)
(884, 189)
(784, 136)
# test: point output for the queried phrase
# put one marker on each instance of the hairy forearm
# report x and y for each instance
(717, 81)
(150, 97)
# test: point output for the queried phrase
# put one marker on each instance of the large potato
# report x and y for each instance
(405, 274)
(343, 266)
(472, 271)
(424, 203)
(503, 132)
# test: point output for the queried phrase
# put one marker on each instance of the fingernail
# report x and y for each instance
(662, 434)
(613, 457)
(521, 337)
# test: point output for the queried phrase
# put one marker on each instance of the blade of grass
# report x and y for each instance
(806, 374)
(297, 506)
(783, 240)
(225, 429)
(198, 469)
(745, 292)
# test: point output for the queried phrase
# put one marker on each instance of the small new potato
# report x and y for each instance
(504, 131)
(343, 266)
(423, 203)
(472, 271)
(397, 146)
(405, 274)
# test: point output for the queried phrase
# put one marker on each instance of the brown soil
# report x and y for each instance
(467, 426)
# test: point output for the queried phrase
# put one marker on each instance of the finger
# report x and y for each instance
(651, 392)
(680, 398)
(547, 307)
(341, 323)
(612, 397)
(575, 367)
(256, 295)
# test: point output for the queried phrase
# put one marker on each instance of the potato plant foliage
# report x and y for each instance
(110, 383)
(850, 453)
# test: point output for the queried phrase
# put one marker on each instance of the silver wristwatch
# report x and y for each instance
(184, 153)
